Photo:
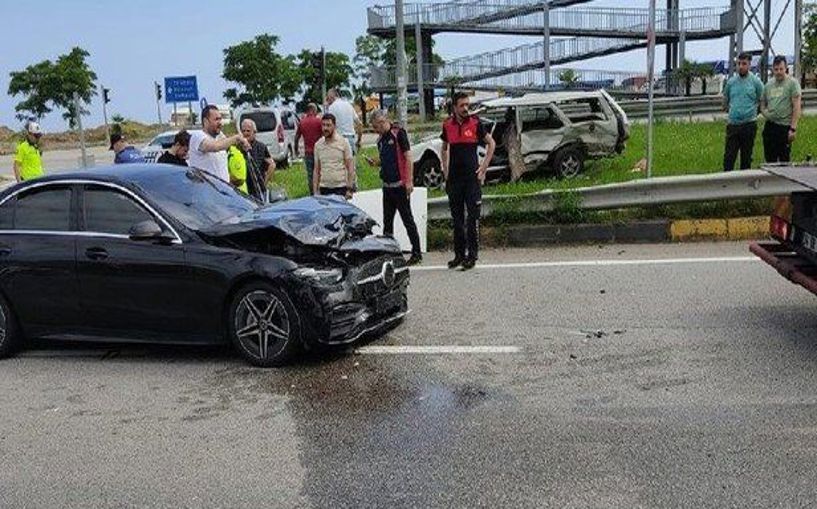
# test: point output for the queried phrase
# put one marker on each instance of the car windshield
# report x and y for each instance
(164, 140)
(196, 198)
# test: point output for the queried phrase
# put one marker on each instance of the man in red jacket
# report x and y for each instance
(464, 175)
(311, 131)
(397, 174)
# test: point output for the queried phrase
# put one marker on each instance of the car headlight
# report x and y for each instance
(320, 276)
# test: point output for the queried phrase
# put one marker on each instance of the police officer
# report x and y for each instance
(397, 174)
(28, 162)
(464, 175)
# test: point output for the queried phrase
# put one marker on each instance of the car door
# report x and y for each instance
(131, 289)
(38, 258)
(542, 130)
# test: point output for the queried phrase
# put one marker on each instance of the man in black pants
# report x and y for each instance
(464, 175)
(741, 99)
(397, 174)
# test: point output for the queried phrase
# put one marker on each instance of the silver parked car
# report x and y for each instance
(554, 131)
(276, 129)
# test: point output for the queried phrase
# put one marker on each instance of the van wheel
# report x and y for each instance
(568, 162)
(287, 158)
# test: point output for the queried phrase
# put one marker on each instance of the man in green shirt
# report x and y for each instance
(782, 108)
(741, 98)
(28, 163)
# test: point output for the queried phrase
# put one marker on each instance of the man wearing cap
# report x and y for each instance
(125, 153)
(28, 162)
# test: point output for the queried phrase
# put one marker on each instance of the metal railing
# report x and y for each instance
(519, 15)
(645, 192)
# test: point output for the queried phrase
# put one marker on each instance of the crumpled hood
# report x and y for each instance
(313, 221)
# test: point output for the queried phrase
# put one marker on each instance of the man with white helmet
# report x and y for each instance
(28, 162)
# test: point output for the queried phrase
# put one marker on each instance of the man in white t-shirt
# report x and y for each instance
(208, 147)
(348, 123)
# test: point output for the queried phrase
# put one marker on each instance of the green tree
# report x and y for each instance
(568, 78)
(809, 53)
(685, 74)
(262, 75)
(338, 74)
(51, 85)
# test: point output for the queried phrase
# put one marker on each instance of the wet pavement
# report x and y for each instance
(642, 384)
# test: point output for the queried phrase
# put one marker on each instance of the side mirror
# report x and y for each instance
(147, 230)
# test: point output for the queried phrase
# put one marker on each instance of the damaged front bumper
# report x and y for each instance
(371, 297)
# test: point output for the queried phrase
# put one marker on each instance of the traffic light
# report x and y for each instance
(105, 96)
(158, 92)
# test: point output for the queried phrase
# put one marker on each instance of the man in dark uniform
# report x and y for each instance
(464, 175)
(397, 174)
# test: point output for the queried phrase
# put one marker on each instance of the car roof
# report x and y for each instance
(541, 98)
(123, 174)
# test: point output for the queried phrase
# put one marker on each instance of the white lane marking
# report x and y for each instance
(435, 350)
(596, 263)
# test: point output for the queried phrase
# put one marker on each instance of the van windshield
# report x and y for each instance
(264, 120)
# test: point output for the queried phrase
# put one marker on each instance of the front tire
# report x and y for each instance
(264, 326)
(11, 338)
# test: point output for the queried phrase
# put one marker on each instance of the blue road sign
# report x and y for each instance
(181, 89)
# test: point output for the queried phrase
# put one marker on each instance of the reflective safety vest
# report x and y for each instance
(237, 166)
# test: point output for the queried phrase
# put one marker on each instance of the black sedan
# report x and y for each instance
(155, 253)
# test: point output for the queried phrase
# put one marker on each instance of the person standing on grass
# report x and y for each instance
(782, 109)
(310, 129)
(348, 123)
(464, 175)
(262, 169)
(177, 154)
(741, 98)
(208, 147)
(397, 174)
(28, 162)
(334, 163)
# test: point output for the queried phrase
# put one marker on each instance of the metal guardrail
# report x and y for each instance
(695, 105)
(645, 192)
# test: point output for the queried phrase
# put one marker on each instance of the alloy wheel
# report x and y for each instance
(262, 324)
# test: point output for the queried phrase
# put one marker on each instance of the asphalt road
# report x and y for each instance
(616, 376)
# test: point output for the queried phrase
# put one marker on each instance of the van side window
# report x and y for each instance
(537, 118)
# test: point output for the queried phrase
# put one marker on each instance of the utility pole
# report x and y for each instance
(546, 43)
(105, 100)
(418, 42)
(650, 78)
(798, 40)
(402, 93)
(323, 76)
(78, 110)
(767, 40)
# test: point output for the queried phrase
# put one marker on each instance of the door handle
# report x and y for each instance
(96, 253)
(5, 251)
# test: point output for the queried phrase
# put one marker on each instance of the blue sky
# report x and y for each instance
(134, 43)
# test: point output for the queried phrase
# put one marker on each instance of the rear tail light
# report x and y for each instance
(280, 133)
(783, 208)
(780, 228)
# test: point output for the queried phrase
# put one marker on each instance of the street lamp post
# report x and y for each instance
(651, 94)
